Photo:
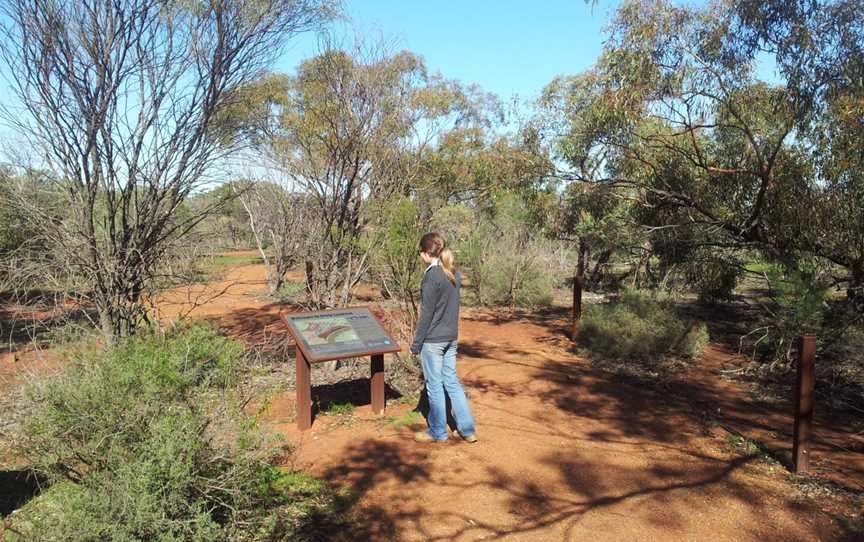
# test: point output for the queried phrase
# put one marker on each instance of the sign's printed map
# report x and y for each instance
(335, 329)
(340, 333)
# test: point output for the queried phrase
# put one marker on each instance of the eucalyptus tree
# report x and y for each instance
(675, 117)
(121, 102)
(350, 131)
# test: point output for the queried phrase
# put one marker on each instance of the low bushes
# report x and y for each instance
(638, 326)
(148, 442)
(516, 280)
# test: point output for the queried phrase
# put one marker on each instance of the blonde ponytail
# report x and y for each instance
(433, 244)
(446, 260)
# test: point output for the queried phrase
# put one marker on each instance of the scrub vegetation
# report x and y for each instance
(689, 199)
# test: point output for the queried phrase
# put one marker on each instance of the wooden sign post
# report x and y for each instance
(577, 306)
(337, 334)
(804, 404)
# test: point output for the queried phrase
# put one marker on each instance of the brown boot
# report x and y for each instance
(423, 436)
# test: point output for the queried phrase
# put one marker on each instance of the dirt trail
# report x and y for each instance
(566, 452)
(837, 449)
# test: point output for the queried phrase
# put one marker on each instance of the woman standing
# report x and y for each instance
(435, 340)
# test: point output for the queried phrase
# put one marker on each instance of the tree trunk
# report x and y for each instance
(601, 261)
(855, 291)
(311, 283)
(108, 326)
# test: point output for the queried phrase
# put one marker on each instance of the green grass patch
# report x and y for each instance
(760, 267)
(212, 267)
(746, 445)
(340, 409)
(750, 446)
(407, 419)
(222, 260)
(291, 291)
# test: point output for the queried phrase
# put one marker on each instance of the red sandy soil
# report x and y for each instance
(566, 452)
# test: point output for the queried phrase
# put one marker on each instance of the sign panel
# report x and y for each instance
(340, 333)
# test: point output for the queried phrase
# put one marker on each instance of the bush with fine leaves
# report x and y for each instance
(638, 326)
(147, 442)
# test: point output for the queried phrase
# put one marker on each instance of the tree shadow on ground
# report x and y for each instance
(634, 417)
(642, 406)
(356, 392)
(639, 407)
(423, 408)
(258, 327)
(532, 506)
(43, 322)
(18, 487)
(367, 464)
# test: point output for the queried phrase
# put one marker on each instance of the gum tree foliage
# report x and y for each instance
(227, 227)
(350, 131)
(120, 101)
(819, 51)
(507, 257)
(462, 173)
(675, 117)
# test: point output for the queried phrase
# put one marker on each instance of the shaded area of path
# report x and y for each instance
(566, 453)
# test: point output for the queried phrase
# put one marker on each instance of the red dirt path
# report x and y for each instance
(566, 452)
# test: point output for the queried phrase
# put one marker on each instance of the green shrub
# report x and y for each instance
(292, 291)
(340, 409)
(695, 341)
(797, 306)
(714, 280)
(516, 281)
(638, 326)
(147, 442)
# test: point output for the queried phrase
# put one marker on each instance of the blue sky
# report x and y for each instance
(509, 47)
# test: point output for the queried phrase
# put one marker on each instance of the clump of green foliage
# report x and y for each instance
(508, 261)
(797, 304)
(639, 326)
(147, 441)
(800, 296)
(340, 409)
(714, 280)
(292, 291)
(512, 280)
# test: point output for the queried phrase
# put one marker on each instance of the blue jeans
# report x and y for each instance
(439, 370)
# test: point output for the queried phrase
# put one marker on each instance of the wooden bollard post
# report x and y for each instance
(376, 384)
(303, 386)
(804, 403)
(577, 307)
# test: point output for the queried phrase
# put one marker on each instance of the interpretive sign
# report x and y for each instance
(337, 334)
(340, 333)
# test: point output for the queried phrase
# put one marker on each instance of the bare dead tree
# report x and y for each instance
(281, 221)
(121, 99)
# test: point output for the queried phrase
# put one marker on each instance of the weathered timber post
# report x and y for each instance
(577, 306)
(303, 386)
(377, 384)
(805, 382)
(578, 283)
